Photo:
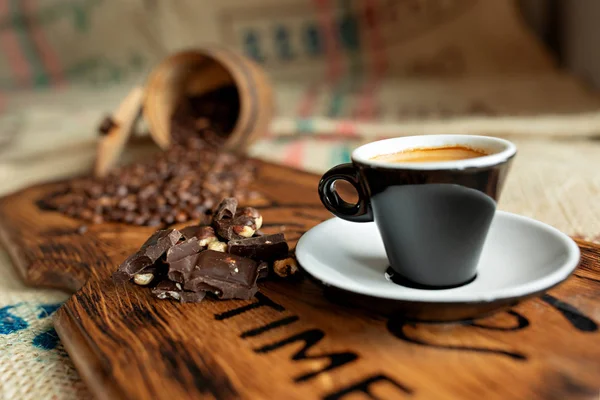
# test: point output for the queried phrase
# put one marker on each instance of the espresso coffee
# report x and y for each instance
(433, 219)
(431, 154)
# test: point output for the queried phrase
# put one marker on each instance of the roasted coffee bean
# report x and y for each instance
(161, 201)
(129, 217)
(95, 191)
(140, 220)
(106, 126)
(121, 191)
(182, 217)
(147, 192)
(86, 214)
(154, 221)
(177, 185)
(105, 201)
(117, 215)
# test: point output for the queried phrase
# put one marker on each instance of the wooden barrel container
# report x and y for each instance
(198, 71)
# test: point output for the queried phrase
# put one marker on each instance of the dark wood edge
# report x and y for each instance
(78, 345)
(15, 254)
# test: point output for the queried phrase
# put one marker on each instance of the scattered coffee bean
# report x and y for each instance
(178, 185)
(106, 125)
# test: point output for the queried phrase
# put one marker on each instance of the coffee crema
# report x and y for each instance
(431, 154)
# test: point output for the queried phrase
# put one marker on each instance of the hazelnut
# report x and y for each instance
(207, 236)
(244, 230)
(206, 241)
(286, 267)
(143, 279)
(253, 213)
(173, 295)
(217, 246)
(230, 224)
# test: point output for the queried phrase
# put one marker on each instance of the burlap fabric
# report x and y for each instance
(345, 72)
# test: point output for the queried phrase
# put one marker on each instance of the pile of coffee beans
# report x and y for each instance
(210, 116)
(183, 183)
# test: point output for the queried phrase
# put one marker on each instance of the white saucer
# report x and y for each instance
(522, 257)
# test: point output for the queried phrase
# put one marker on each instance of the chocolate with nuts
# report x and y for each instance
(253, 214)
(182, 259)
(149, 253)
(234, 277)
(204, 234)
(180, 270)
(230, 224)
(183, 249)
(187, 265)
(264, 248)
(172, 290)
(218, 246)
(226, 209)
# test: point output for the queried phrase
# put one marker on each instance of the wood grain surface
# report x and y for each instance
(289, 342)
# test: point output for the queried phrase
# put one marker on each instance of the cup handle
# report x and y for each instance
(359, 212)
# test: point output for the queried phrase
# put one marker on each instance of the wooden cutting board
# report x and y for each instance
(290, 342)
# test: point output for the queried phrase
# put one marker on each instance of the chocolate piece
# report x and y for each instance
(223, 218)
(263, 271)
(226, 209)
(183, 249)
(261, 248)
(106, 126)
(149, 253)
(172, 290)
(224, 229)
(182, 259)
(232, 276)
(230, 225)
(160, 242)
(131, 266)
(180, 270)
(204, 234)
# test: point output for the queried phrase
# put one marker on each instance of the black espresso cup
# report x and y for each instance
(433, 217)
